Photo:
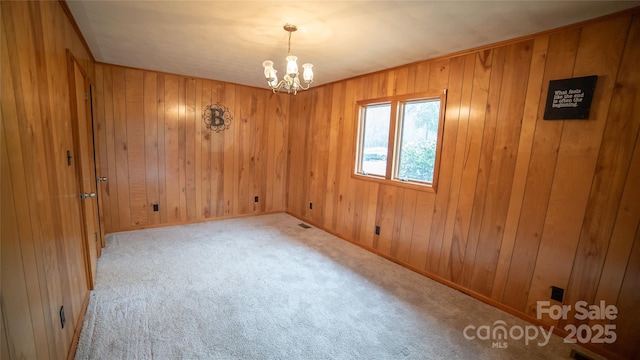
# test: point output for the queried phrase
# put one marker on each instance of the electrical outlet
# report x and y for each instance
(255, 199)
(62, 318)
(156, 207)
(557, 293)
(310, 206)
(377, 230)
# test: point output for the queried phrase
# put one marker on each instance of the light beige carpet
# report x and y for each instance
(265, 288)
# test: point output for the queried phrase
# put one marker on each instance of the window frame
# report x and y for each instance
(395, 133)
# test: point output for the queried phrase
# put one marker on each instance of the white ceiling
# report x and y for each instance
(228, 40)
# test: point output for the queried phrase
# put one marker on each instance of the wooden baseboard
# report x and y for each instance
(78, 328)
(131, 228)
(487, 300)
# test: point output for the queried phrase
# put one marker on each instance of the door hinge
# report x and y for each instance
(86, 96)
(95, 236)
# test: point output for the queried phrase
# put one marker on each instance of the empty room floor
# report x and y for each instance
(264, 287)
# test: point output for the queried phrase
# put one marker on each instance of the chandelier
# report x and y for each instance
(291, 81)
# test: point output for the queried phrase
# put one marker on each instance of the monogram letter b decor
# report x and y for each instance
(217, 117)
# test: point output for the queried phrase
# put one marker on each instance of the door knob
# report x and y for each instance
(89, 195)
(103, 178)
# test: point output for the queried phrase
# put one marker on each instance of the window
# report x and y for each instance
(399, 139)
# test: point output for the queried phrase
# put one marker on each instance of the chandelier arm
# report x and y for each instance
(279, 86)
(308, 85)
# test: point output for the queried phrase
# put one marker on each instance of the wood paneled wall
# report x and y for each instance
(154, 147)
(41, 250)
(523, 204)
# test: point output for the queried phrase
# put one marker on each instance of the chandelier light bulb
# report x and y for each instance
(292, 65)
(268, 67)
(307, 73)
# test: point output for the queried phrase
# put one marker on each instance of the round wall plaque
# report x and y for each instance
(217, 117)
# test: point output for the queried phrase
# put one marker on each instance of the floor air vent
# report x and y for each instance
(579, 356)
(304, 226)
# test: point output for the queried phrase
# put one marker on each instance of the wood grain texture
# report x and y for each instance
(440, 79)
(163, 154)
(470, 163)
(523, 157)
(43, 266)
(627, 326)
(612, 171)
(599, 51)
(484, 165)
(462, 114)
(508, 127)
(523, 203)
(559, 64)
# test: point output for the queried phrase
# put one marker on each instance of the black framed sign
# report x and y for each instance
(570, 98)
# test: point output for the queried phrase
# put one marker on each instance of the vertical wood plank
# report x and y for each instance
(279, 116)
(507, 138)
(181, 127)
(259, 154)
(227, 193)
(162, 158)
(406, 225)
(458, 161)
(109, 147)
(397, 222)
(480, 92)
(134, 110)
(171, 148)
(221, 181)
(323, 113)
(484, 165)
(150, 119)
(622, 237)
(349, 124)
(198, 146)
(191, 145)
(387, 200)
(532, 103)
(247, 103)
(439, 74)
(101, 154)
(349, 219)
(15, 181)
(122, 147)
(599, 51)
(208, 208)
(423, 221)
(444, 78)
(612, 168)
(560, 61)
(422, 77)
(627, 326)
(14, 284)
(335, 145)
